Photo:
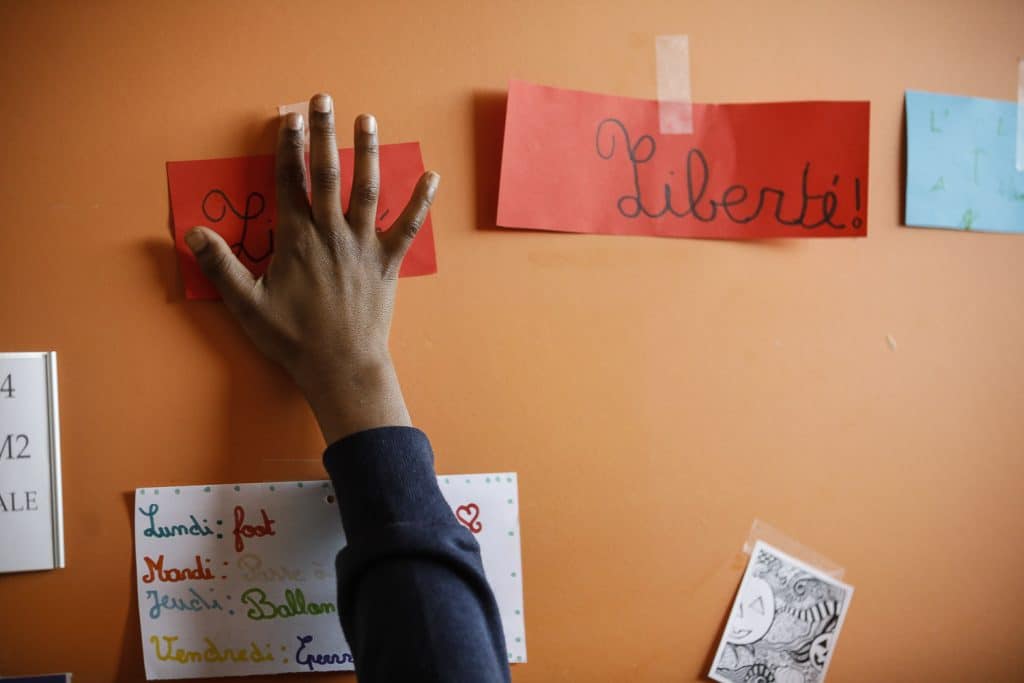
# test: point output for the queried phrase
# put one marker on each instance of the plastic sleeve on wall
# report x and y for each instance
(761, 531)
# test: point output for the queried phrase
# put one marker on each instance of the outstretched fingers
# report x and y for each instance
(290, 171)
(362, 209)
(324, 169)
(399, 238)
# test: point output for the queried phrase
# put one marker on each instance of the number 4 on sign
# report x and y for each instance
(7, 386)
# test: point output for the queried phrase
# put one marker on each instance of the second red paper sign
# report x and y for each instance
(582, 162)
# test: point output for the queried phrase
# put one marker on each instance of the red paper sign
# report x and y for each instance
(581, 162)
(236, 197)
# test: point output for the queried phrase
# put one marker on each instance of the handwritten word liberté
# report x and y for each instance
(697, 179)
(251, 212)
(254, 206)
(294, 605)
(165, 601)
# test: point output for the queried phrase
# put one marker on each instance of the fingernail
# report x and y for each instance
(293, 121)
(195, 239)
(433, 179)
(322, 103)
(368, 124)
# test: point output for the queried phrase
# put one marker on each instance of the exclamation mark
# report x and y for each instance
(857, 222)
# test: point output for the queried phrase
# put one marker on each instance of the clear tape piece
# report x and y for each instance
(675, 107)
(762, 531)
(1020, 114)
(300, 108)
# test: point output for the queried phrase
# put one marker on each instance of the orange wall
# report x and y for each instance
(654, 395)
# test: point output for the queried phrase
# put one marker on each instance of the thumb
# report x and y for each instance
(232, 279)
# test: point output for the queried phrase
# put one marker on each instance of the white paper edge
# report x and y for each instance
(56, 488)
(1020, 114)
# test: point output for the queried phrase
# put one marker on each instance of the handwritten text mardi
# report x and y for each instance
(155, 571)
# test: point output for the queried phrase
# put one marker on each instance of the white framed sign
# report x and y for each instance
(31, 512)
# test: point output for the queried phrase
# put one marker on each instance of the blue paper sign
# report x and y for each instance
(960, 164)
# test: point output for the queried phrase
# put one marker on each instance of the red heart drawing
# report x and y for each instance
(468, 516)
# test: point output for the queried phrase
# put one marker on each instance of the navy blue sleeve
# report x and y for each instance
(414, 602)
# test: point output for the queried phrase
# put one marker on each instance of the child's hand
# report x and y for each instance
(323, 308)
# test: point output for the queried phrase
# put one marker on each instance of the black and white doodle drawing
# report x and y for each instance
(784, 622)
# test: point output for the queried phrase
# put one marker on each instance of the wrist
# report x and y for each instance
(363, 393)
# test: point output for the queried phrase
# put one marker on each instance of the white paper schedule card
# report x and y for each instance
(239, 579)
(31, 518)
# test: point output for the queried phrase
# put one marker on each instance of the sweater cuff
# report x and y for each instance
(385, 476)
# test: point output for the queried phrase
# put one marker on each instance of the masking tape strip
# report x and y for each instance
(299, 108)
(1020, 114)
(675, 108)
(761, 531)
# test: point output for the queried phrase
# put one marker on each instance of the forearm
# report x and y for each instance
(414, 601)
(361, 395)
(323, 311)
